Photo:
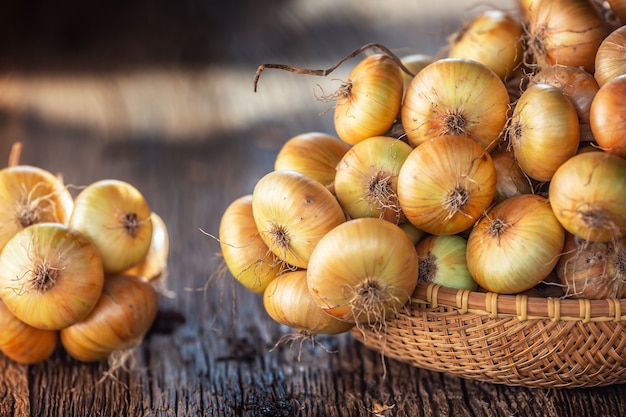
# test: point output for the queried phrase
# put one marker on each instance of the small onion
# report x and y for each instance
(51, 275)
(288, 301)
(608, 116)
(443, 261)
(369, 101)
(244, 251)
(314, 154)
(515, 245)
(115, 216)
(592, 270)
(292, 212)
(366, 183)
(544, 131)
(610, 60)
(455, 96)
(588, 196)
(363, 271)
(123, 315)
(446, 184)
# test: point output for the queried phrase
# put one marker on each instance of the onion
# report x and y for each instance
(455, 96)
(593, 270)
(588, 196)
(515, 245)
(244, 251)
(511, 179)
(314, 154)
(292, 212)
(443, 261)
(544, 131)
(445, 184)
(414, 63)
(363, 271)
(369, 101)
(366, 182)
(493, 38)
(51, 276)
(610, 60)
(154, 264)
(608, 116)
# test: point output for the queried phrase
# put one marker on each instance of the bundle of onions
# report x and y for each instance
(566, 32)
(292, 213)
(366, 182)
(446, 184)
(368, 102)
(592, 270)
(455, 96)
(493, 38)
(544, 131)
(442, 260)
(511, 179)
(610, 59)
(315, 154)
(244, 251)
(515, 245)
(588, 196)
(363, 271)
(608, 116)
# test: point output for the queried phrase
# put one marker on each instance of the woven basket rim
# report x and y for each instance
(524, 307)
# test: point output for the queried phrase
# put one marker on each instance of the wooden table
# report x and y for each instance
(160, 95)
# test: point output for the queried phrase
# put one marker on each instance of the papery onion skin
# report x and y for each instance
(288, 301)
(588, 196)
(443, 261)
(515, 245)
(445, 184)
(115, 216)
(292, 212)
(544, 131)
(363, 271)
(244, 251)
(154, 263)
(610, 59)
(315, 154)
(119, 321)
(608, 116)
(369, 101)
(455, 96)
(51, 276)
(29, 195)
(23, 343)
(367, 178)
(511, 179)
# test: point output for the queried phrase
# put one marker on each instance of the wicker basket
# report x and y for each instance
(507, 339)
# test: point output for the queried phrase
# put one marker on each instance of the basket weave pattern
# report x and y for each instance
(513, 340)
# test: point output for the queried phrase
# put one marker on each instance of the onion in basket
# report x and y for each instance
(443, 261)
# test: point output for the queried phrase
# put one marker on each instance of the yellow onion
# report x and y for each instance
(154, 264)
(455, 96)
(115, 216)
(511, 179)
(592, 270)
(120, 320)
(608, 116)
(23, 343)
(610, 60)
(287, 301)
(588, 196)
(566, 32)
(314, 154)
(369, 101)
(515, 245)
(363, 271)
(445, 184)
(544, 131)
(51, 275)
(366, 182)
(244, 251)
(493, 38)
(442, 260)
(292, 212)
(30, 195)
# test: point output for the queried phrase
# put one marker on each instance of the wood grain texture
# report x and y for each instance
(184, 126)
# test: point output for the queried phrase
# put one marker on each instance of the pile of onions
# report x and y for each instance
(502, 168)
(64, 258)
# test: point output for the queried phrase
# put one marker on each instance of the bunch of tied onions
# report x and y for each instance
(75, 271)
(498, 166)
